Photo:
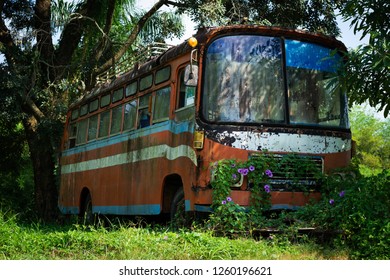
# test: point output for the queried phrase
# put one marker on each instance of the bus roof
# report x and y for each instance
(203, 35)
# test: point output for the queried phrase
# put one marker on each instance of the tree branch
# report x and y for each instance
(6, 39)
(180, 5)
(72, 33)
(43, 29)
(105, 39)
(130, 40)
(32, 108)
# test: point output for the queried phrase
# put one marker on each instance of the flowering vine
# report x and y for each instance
(255, 173)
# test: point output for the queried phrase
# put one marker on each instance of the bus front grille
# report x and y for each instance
(295, 172)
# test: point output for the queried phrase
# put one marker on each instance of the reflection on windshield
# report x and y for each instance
(313, 89)
(244, 82)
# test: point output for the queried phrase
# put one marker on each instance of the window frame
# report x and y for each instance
(102, 98)
(128, 86)
(168, 90)
(164, 79)
(120, 93)
(144, 78)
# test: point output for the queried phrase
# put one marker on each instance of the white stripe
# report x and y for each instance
(160, 151)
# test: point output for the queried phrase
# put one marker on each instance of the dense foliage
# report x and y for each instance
(368, 69)
(358, 207)
(372, 136)
(354, 208)
(313, 15)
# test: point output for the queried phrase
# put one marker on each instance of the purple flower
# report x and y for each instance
(243, 171)
(234, 176)
(223, 202)
(251, 168)
(341, 194)
(267, 188)
(228, 199)
(331, 201)
(233, 165)
(268, 173)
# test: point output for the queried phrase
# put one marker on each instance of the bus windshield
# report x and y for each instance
(244, 82)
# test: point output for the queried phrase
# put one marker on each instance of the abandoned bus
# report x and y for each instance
(145, 139)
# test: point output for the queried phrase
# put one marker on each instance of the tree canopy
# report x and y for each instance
(313, 15)
(367, 73)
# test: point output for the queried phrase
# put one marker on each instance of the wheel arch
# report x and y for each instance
(172, 183)
(83, 196)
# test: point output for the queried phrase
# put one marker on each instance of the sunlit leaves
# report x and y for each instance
(368, 67)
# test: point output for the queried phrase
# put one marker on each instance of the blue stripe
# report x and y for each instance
(203, 208)
(173, 127)
(285, 207)
(146, 209)
(153, 209)
(69, 210)
(187, 205)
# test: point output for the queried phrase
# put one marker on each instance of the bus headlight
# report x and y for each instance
(237, 179)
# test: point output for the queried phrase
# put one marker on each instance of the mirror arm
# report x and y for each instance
(193, 58)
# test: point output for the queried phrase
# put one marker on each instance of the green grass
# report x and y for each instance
(122, 242)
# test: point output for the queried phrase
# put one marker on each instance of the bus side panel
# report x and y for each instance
(127, 177)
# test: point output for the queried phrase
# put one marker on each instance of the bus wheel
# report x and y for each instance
(86, 215)
(179, 217)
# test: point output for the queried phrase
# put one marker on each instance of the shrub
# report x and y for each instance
(359, 207)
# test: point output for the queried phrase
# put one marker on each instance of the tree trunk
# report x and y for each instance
(42, 156)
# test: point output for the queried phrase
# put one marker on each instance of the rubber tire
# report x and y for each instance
(86, 215)
(178, 215)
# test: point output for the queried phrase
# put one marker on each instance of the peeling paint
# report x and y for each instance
(281, 142)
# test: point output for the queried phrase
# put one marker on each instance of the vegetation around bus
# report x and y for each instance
(354, 209)
(125, 241)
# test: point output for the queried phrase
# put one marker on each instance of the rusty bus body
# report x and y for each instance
(136, 144)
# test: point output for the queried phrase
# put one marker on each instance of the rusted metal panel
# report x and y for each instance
(130, 172)
(280, 142)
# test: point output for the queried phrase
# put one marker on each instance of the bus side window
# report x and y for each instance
(144, 115)
(144, 118)
(186, 94)
(130, 115)
(116, 120)
(72, 135)
(104, 124)
(92, 127)
(161, 105)
(81, 132)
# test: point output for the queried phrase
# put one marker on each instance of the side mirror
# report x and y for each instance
(191, 75)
